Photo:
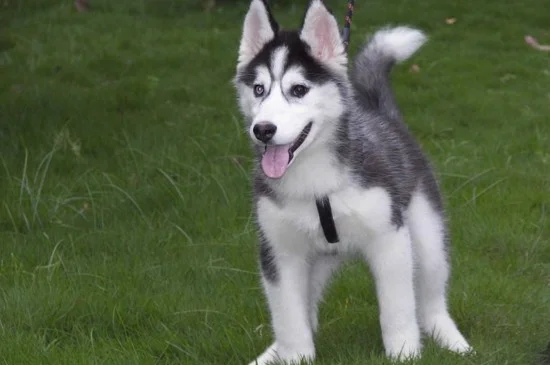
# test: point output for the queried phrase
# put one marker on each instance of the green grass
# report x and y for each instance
(125, 225)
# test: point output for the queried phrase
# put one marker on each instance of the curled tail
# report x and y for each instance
(374, 63)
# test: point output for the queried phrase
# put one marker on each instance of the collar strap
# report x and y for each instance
(327, 221)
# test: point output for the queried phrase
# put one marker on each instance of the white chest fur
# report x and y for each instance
(358, 214)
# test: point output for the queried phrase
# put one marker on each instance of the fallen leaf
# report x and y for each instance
(82, 5)
(450, 21)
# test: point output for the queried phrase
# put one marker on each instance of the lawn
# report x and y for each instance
(125, 226)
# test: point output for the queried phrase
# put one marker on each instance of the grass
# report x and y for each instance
(125, 226)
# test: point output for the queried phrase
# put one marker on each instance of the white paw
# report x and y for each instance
(402, 347)
(273, 354)
(461, 348)
(444, 331)
(269, 355)
(406, 352)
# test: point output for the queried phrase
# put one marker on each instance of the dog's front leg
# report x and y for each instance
(391, 262)
(287, 294)
(288, 303)
(285, 276)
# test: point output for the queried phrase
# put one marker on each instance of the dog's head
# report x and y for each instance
(289, 83)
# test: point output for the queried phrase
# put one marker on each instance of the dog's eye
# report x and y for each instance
(258, 90)
(299, 91)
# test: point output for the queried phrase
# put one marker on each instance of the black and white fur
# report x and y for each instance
(358, 152)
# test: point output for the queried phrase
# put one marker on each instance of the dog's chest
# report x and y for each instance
(358, 213)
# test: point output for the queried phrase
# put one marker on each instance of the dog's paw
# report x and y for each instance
(403, 345)
(269, 356)
(461, 348)
(404, 349)
(443, 329)
(275, 355)
(406, 353)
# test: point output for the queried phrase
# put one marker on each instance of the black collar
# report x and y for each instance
(327, 221)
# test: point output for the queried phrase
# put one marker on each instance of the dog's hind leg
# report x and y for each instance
(432, 272)
(322, 269)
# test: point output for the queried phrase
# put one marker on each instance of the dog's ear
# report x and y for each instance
(320, 31)
(259, 28)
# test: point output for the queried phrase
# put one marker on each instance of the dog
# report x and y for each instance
(335, 162)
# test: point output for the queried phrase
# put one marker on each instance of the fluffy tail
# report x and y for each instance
(375, 61)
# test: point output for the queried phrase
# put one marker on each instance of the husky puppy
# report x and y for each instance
(328, 139)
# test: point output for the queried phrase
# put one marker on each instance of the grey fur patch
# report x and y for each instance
(375, 142)
(267, 260)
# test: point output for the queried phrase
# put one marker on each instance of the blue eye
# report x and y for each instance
(258, 90)
(299, 91)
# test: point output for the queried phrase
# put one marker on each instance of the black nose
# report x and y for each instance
(264, 131)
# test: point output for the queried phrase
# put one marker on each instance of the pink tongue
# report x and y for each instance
(275, 160)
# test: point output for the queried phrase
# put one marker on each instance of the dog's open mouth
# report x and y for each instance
(277, 158)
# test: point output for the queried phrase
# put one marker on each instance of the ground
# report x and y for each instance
(125, 225)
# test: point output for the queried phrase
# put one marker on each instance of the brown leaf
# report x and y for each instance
(414, 68)
(82, 5)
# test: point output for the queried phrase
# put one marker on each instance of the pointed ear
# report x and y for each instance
(259, 28)
(320, 31)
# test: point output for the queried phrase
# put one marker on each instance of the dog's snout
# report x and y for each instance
(264, 131)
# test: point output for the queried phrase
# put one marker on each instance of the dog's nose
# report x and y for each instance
(264, 131)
